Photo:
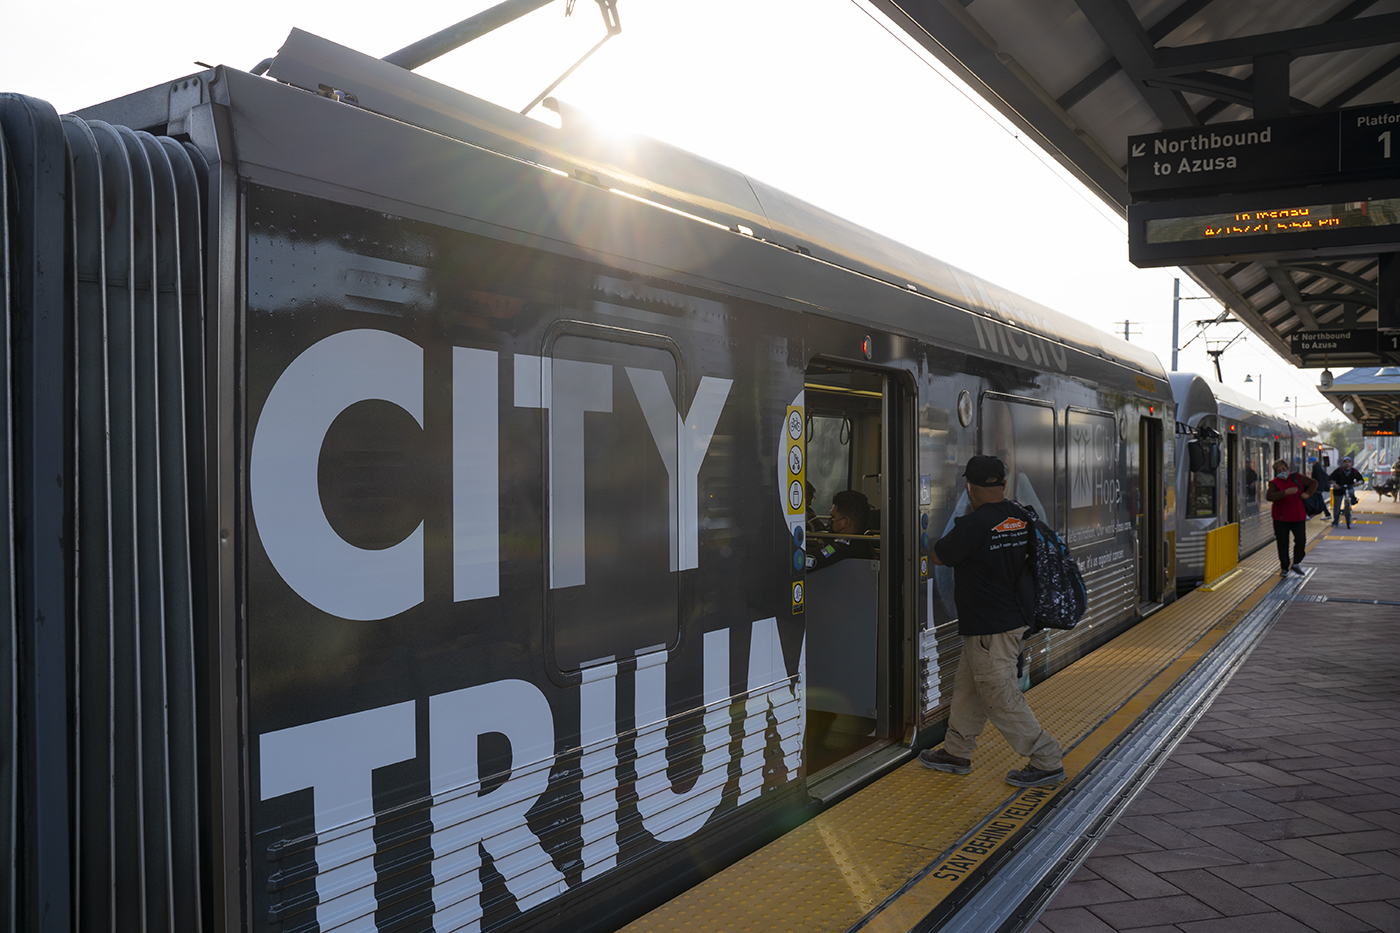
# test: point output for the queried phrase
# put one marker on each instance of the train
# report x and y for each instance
(1226, 445)
(410, 501)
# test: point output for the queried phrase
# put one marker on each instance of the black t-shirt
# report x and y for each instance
(987, 551)
(825, 552)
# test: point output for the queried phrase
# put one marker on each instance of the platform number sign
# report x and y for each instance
(796, 462)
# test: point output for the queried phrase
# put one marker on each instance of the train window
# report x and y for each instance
(611, 522)
(1022, 434)
(1201, 494)
(1096, 498)
(828, 457)
(1255, 457)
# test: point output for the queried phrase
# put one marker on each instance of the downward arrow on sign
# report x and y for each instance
(1139, 149)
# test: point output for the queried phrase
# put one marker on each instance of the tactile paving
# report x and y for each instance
(834, 870)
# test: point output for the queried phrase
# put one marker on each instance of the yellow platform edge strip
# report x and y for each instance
(934, 888)
(850, 862)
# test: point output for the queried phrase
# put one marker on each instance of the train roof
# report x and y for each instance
(679, 180)
(1236, 404)
(1192, 395)
(1196, 394)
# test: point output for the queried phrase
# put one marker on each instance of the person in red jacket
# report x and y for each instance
(1287, 492)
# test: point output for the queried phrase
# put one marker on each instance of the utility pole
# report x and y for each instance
(1126, 326)
(1176, 319)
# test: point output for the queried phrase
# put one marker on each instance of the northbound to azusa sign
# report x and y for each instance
(1256, 154)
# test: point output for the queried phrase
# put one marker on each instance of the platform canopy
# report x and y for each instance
(1374, 396)
(1082, 76)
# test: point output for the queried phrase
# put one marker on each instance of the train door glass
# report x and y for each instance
(1022, 434)
(854, 618)
(1255, 463)
(1150, 532)
(1232, 486)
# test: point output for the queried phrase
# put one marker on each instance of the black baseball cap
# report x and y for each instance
(985, 471)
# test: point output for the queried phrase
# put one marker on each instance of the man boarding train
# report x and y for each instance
(987, 550)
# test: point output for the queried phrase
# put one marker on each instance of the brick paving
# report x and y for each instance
(1280, 812)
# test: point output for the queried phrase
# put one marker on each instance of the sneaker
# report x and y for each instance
(1298, 569)
(939, 760)
(1034, 777)
(1283, 574)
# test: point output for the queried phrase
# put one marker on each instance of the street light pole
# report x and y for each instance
(1250, 378)
(1176, 318)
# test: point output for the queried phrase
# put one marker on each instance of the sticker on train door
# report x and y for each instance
(796, 462)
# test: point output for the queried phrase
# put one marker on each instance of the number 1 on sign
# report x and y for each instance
(1384, 140)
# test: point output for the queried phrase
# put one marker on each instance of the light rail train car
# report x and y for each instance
(1225, 445)
(411, 505)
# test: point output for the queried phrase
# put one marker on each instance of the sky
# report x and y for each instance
(824, 99)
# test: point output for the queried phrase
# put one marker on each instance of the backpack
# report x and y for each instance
(1055, 581)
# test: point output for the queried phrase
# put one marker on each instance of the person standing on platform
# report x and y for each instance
(1287, 492)
(987, 550)
(1324, 482)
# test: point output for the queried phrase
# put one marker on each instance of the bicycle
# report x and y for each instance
(1341, 499)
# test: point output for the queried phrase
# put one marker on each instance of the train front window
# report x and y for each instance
(1201, 494)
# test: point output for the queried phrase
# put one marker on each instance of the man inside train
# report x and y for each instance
(850, 518)
(987, 551)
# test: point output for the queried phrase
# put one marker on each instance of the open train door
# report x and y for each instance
(859, 438)
(1150, 531)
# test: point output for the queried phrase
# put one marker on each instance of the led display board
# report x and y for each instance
(1351, 218)
(1384, 427)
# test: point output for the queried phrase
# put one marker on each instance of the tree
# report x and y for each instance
(1346, 436)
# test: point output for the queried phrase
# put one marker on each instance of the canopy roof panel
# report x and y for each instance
(1081, 76)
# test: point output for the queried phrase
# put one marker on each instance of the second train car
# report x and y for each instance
(1226, 445)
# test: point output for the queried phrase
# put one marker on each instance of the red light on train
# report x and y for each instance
(865, 348)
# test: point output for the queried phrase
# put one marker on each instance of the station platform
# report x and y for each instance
(1281, 810)
(923, 850)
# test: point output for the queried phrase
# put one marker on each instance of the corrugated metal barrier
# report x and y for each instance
(102, 450)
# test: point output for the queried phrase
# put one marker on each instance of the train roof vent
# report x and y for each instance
(1388, 371)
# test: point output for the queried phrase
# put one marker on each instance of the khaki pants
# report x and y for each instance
(985, 688)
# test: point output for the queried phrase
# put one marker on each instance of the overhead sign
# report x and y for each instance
(1346, 219)
(1256, 154)
(1337, 342)
(1385, 427)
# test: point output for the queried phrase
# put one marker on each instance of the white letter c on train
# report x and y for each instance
(321, 566)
